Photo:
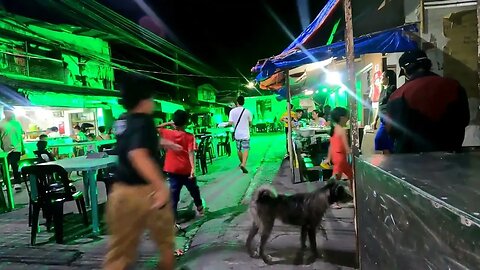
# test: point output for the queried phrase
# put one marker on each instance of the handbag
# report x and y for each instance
(236, 125)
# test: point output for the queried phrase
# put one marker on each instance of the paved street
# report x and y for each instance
(215, 241)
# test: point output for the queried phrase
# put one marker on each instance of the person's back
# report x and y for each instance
(138, 130)
(242, 132)
(428, 113)
(11, 135)
(178, 162)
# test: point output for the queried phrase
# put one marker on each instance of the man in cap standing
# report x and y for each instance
(428, 113)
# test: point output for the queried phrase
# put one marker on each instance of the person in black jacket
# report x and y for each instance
(428, 113)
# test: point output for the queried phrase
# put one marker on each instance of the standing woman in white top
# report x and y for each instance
(241, 119)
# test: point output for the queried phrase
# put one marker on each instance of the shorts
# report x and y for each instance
(243, 144)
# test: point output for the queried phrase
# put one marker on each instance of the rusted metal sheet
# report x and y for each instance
(419, 211)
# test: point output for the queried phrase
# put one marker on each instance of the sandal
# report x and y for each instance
(201, 211)
(336, 206)
(179, 229)
(178, 253)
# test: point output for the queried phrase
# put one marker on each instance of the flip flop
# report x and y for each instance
(336, 206)
(178, 253)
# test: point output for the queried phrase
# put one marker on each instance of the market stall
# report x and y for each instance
(322, 71)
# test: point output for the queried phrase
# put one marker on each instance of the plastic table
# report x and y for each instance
(89, 167)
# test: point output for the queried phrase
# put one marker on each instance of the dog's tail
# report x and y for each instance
(264, 193)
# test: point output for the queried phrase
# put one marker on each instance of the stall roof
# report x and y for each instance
(398, 39)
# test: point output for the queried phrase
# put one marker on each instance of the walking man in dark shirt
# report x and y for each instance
(428, 113)
(140, 198)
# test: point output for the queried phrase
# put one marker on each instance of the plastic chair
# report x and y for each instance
(209, 148)
(49, 189)
(201, 155)
(224, 147)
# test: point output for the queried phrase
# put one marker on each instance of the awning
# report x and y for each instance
(398, 39)
(314, 26)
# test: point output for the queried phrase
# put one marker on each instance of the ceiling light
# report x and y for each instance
(308, 92)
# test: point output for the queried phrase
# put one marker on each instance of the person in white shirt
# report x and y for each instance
(241, 119)
(11, 141)
(53, 132)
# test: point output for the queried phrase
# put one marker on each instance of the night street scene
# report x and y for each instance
(261, 134)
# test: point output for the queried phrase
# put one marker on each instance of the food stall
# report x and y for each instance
(319, 70)
(63, 111)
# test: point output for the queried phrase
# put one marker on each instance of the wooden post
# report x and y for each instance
(289, 133)
(352, 101)
(352, 97)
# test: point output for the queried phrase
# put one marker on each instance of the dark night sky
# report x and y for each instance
(227, 35)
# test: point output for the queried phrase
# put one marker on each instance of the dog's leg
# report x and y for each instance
(303, 237)
(251, 235)
(303, 243)
(264, 235)
(324, 232)
(312, 231)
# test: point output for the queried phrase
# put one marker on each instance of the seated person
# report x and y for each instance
(102, 135)
(53, 133)
(42, 153)
(317, 119)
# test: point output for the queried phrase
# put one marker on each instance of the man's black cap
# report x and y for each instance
(411, 57)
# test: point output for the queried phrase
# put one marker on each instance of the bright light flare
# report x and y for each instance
(251, 85)
(334, 78)
(308, 92)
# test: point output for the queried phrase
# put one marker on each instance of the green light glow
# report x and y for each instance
(169, 107)
(324, 90)
(334, 31)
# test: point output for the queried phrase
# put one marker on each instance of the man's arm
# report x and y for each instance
(167, 124)
(167, 144)
(148, 169)
(191, 158)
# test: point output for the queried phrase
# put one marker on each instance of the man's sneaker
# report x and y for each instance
(244, 170)
(17, 187)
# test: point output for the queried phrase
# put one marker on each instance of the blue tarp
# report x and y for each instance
(313, 27)
(389, 41)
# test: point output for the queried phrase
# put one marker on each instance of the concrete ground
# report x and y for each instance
(215, 241)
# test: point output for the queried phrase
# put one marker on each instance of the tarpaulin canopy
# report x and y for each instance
(394, 40)
(314, 26)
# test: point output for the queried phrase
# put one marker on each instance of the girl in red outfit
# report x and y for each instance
(339, 148)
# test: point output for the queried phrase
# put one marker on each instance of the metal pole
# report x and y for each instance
(352, 101)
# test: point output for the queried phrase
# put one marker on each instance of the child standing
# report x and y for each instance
(180, 165)
(339, 148)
